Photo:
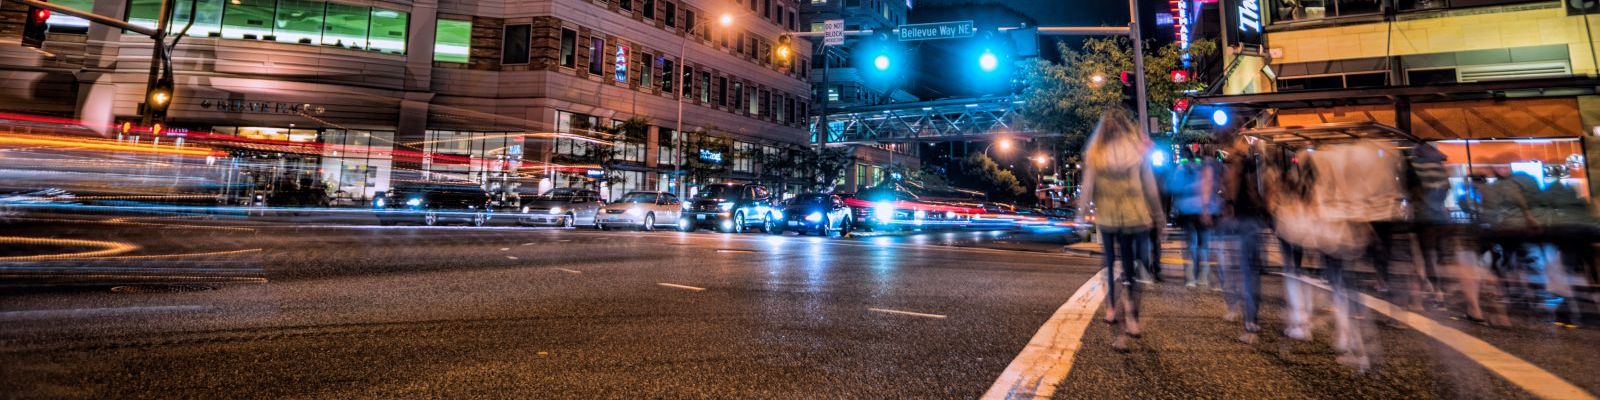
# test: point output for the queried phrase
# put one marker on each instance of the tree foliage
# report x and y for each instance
(1065, 96)
(998, 182)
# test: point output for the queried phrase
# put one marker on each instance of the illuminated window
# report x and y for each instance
(688, 81)
(647, 75)
(667, 69)
(705, 87)
(249, 19)
(61, 22)
(346, 26)
(597, 59)
(452, 41)
(298, 21)
(389, 31)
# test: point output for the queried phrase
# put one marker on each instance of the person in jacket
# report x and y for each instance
(1193, 187)
(1120, 186)
(1244, 219)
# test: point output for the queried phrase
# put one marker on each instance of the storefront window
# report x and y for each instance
(743, 157)
(1298, 10)
(665, 152)
(624, 182)
(389, 30)
(248, 19)
(1548, 161)
(346, 26)
(490, 159)
(299, 20)
(452, 41)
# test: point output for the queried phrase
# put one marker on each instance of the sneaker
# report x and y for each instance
(1248, 338)
(1120, 343)
(1190, 285)
(1298, 332)
(1132, 328)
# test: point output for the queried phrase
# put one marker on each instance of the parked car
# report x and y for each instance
(731, 207)
(644, 210)
(818, 213)
(565, 207)
(433, 204)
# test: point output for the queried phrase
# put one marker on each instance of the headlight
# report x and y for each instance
(684, 205)
(950, 215)
(725, 206)
(777, 214)
(524, 209)
(555, 210)
(920, 214)
(814, 217)
(414, 202)
(883, 212)
(379, 203)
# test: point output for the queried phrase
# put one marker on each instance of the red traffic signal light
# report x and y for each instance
(1180, 105)
(1180, 76)
(33, 29)
(1126, 78)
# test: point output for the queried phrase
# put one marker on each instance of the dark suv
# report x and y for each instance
(433, 204)
(731, 207)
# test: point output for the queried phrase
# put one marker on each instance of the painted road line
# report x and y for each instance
(914, 314)
(735, 251)
(1529, 377)
(505, 249)
(677, 286)
(95, 312)
(511, 257)
(570, 271)
(1047, 358)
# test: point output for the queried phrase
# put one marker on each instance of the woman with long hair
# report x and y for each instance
(1121, 188)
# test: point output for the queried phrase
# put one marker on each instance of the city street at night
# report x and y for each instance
(369, 311)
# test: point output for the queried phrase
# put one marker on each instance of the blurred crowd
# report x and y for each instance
(1342, 217)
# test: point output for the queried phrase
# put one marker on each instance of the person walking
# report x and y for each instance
(1119, 185)
(1243, 220)
(1193, 186)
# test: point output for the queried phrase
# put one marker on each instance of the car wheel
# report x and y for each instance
(569, 221)
(774, 226)
(479, 219)
(430, 218)
(685, 225)
(649, 223)
(738, 223)
(844, 227)
(822, 227)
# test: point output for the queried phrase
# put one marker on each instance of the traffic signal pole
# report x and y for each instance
(160, 58)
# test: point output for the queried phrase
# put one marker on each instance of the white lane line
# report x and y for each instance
(570, 271)
(677, 286)
(1047, 358)
(529, 244)
(914, 314)
(95, 312)
(1529, 377)
(511, 257)
(505, 249)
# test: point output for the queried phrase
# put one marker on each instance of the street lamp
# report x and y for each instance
(1097, 79)
(677, 142)
(988, 61)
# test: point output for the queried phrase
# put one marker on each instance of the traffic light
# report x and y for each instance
(157, 99)
(33, 30)
(1130, 93)
(988, 61)
(785, 47)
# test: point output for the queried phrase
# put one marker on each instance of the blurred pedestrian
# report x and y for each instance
(1357, 190)
(1430, 186)
(1243, 220)
(1120, 186)
(1193, 186)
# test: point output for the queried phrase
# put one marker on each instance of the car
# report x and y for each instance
(818, 213)
(564, 207)
(730, 207)
(643, 210)
(433, 204)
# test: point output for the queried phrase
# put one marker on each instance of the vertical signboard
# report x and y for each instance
(1247, 24)
(833, 32)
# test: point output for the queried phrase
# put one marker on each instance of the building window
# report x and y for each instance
(738, 94)
(793, 24)
(631, 147)
(688, 82)
(649, 9)
(1302, 10)
(575, 124)
(647, 75)
(298, 21)
(766, 104)
(755, 102)
(514, 50)
(569, 44)
(777, 107)
(452, 41)
(665, 152)
(667, 69)
(752, 5)
(671, 10)
(722, 91)
(743, 160)
(688, 21)
(788, 111)
(779, 15)
(739, 44)
(207, 16)
(252, 19)
(817, 27)
(389, 31)
(705, 87)
(766, 9)
(625, 4)
(597, 59)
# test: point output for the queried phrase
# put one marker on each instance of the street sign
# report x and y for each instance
(936, 30)
(833, 32)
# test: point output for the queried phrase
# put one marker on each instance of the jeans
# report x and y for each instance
(1242, 279)
(1126, 246)
(1198, 246)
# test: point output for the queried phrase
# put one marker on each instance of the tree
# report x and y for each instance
(996, 181)
(830, 166)
(1069, 96)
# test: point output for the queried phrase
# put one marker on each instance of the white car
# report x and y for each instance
(642, 210)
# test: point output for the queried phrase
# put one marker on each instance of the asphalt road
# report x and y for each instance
(452, 312)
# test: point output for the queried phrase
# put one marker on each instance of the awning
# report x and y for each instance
(1329, 133)
(1547, 87)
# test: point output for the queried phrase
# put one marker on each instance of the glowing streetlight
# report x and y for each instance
(726, 20)
(1005, 144)
(1097, 79)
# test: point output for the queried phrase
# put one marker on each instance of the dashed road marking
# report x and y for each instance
(505, 249)
(677, 286)
(570, 271)
(1529, 377)
(511, 257)
(1047, 358)
(914, 314)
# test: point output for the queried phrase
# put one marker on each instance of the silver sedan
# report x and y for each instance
(643, 210)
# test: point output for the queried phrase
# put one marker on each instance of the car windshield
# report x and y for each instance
(809, 199)
(639, 198)
(560, 193)
(717, 192)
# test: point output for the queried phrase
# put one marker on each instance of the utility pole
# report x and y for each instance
(158, 87)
